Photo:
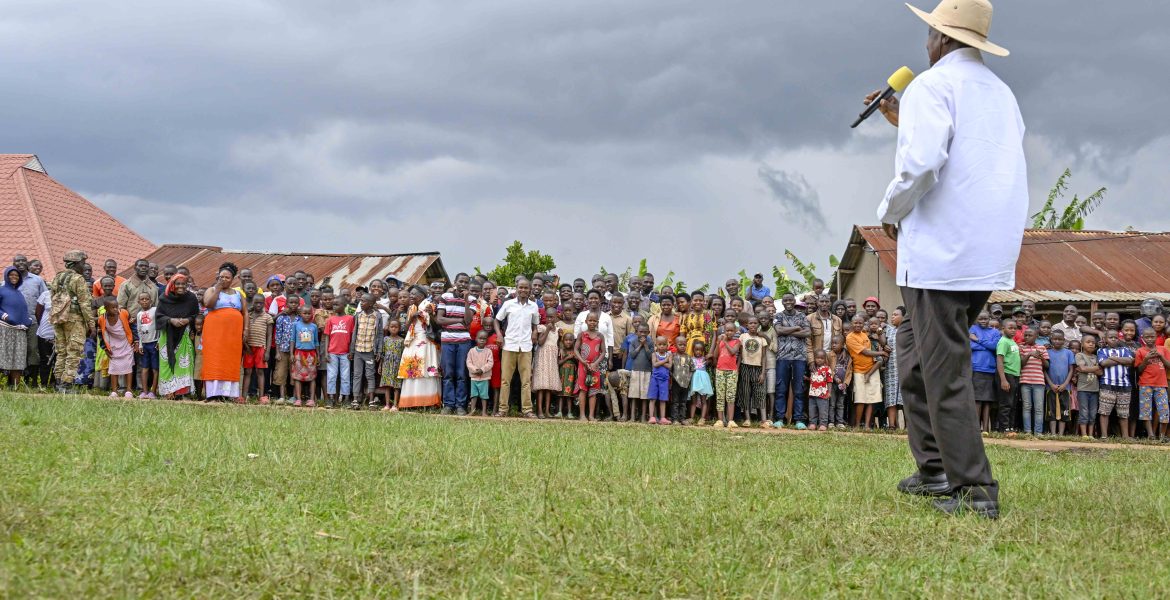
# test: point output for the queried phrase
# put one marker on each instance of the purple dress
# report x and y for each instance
(118, 344)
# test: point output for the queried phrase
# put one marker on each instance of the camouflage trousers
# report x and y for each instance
(70, 350)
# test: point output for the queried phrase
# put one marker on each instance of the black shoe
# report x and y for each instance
(920, 485)
(446, 410)
(973, 500)
(460, 412)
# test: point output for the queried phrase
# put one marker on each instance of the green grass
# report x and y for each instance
(102, 498)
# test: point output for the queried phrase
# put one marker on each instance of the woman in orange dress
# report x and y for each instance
(224, 328)
(419, 369)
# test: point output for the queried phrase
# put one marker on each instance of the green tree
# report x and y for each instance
(807, 273)
(518, 262)
(679, 286)
(1073, 215)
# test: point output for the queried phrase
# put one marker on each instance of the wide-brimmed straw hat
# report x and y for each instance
(967, 21)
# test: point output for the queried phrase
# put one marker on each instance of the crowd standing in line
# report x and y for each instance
(589, 352)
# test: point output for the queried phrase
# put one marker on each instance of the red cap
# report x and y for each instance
(872, 299)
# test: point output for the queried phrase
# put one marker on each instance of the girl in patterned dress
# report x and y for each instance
(568, 363)
(546, 377)
(391, 359)
(590, 352)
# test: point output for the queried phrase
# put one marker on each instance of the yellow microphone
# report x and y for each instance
(897, 82)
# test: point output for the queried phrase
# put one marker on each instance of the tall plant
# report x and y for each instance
(806, 274)
(1073, 216)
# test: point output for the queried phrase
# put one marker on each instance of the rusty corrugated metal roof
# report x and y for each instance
(1074, 296)
(347, 270)
(1058, 264)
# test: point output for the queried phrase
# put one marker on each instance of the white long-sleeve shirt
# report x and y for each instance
(960, 189)
(604, 326)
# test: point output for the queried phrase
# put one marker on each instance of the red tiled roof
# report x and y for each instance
(43, 219)
(1061, 263)
(348, 270)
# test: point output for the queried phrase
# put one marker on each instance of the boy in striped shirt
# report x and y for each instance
(1115, 359)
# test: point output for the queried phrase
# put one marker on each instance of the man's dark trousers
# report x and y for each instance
(934, 364)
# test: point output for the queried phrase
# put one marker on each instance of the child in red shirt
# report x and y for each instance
(820, 388)
(338, 331)
(726, 375)
(1151, 361)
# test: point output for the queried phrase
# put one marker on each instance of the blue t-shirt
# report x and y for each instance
(1060, 363)
(305, 335)
(630, 339)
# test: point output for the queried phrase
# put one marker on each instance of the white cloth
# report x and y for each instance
(960, 188)
(227, 389)
(45, 328)
(604, 326)
(521, 317)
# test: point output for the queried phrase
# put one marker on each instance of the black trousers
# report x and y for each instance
(678, 401)
(934, 365)
(44, 371)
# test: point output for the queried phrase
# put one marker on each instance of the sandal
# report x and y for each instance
(529, 415)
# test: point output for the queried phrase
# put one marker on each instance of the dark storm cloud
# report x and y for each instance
(797, 199)
(461, 105)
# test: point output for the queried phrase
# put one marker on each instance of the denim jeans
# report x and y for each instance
(1087, 401)
(337, 369)
(789, 372)
(455, 379)
(1032, 397)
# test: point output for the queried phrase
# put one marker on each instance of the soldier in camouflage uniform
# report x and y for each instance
(72, 318)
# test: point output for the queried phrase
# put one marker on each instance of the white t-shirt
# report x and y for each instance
(147, 332)
(45, 328)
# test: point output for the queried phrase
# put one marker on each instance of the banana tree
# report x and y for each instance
(1073, 215)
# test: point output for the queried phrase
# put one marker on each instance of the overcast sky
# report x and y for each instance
(704, 136)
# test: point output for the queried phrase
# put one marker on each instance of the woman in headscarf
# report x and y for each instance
(224, 329)
(175, 319)
(419, 369)
(13, 314)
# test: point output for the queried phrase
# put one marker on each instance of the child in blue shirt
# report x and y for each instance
(282, 335)
(304, 358)
(1061, 365)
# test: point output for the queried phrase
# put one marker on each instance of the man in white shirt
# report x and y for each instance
(1069, 325)
(522, 316)
(960, 160)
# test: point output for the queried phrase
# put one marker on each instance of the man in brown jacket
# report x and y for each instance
(824, 325)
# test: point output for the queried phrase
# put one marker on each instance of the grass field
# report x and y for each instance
(102, 498)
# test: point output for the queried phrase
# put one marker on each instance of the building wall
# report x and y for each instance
(871, 279)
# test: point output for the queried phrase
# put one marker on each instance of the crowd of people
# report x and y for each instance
(559, 349)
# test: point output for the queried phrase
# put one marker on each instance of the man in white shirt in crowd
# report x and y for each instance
(522, 316)
(960, 160)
